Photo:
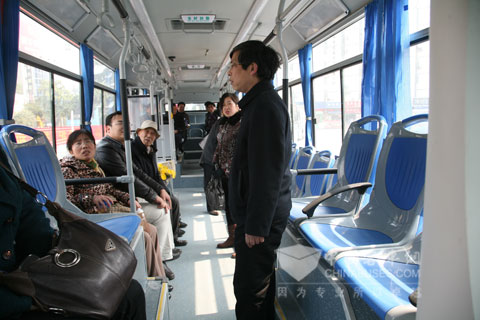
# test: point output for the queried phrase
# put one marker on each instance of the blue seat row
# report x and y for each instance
(375, 249)
(355, 164)
(35, 161)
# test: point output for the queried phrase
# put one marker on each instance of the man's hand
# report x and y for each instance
(161, 204)
(166, 197)
(253, 240)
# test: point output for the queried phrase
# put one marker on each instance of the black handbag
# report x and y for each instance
(86, 273)
(215, 194)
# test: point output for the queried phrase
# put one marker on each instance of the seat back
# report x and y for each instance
(35, 161)
(396, 202)
(303, 161)
(293, 156)
(315, 184)
(357, 159)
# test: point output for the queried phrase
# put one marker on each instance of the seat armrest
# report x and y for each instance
(361, 187)
(302, 172)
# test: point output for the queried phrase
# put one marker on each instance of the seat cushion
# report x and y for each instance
(382, 284)
(122, 226)
(327, 236)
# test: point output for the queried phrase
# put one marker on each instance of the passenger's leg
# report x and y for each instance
(132, 306)
(161, 221)
(153, 252)
(175, 215)
(230, 223)
(207, 175)
(254, 279)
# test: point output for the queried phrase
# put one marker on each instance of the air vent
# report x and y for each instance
(193, 69)
(177, 24)
(319, 16)
(193, 81)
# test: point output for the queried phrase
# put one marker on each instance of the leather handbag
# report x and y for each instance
(86, 273)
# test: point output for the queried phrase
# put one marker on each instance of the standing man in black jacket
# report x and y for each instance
(144, 151)
(110, 156)
(260, 178)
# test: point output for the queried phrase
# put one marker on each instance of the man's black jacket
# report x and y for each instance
(259, 184)
(111, 158)
(145, 161)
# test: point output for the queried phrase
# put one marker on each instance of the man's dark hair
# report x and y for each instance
(209, 103)
(181, 102)
(75, 134)
(108, 119)
(264, 56)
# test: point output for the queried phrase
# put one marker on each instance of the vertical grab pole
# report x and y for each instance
(126, 121)
(283, 52)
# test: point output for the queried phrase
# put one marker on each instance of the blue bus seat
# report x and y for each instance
(36, 162)
(355, 164)
(391, 217)
(302, 161)
(315, 185)
(383, 278)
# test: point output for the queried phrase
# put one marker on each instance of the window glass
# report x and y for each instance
(139, 110)
(418, 15)
(108, 104)
(420, 77)
(298, 116)
(278, 79)
(33, 39)
(33, 100)
(103, 74)
(344, 45)
(293, 69)
(96, 120)
(352, 94)
(327, 112)
(195, 106)
(67, 111)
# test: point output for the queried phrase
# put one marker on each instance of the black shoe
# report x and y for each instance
(180, 232)
(175, 254)
(180, 243)
(168, 272)
(182, 224)
(170, 288)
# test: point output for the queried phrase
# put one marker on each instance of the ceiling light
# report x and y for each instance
(195, 66)
(198, 18)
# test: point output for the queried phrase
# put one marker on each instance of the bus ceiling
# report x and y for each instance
(185, 44)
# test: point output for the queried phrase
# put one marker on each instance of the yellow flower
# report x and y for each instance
(165, 172)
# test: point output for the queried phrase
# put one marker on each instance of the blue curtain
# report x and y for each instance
(86, 64)
(118, 103)
(9, 25)
(305, 59)
(386, 60)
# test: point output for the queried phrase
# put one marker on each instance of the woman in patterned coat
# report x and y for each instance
(222, 158)
(103, 197)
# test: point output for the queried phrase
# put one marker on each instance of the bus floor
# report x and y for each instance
(203, 284)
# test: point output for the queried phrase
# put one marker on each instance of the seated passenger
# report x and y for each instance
(144, 152)
(25, 230)
(110, 156)
(104, 197)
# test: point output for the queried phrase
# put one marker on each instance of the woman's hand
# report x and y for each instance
(102, 203)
